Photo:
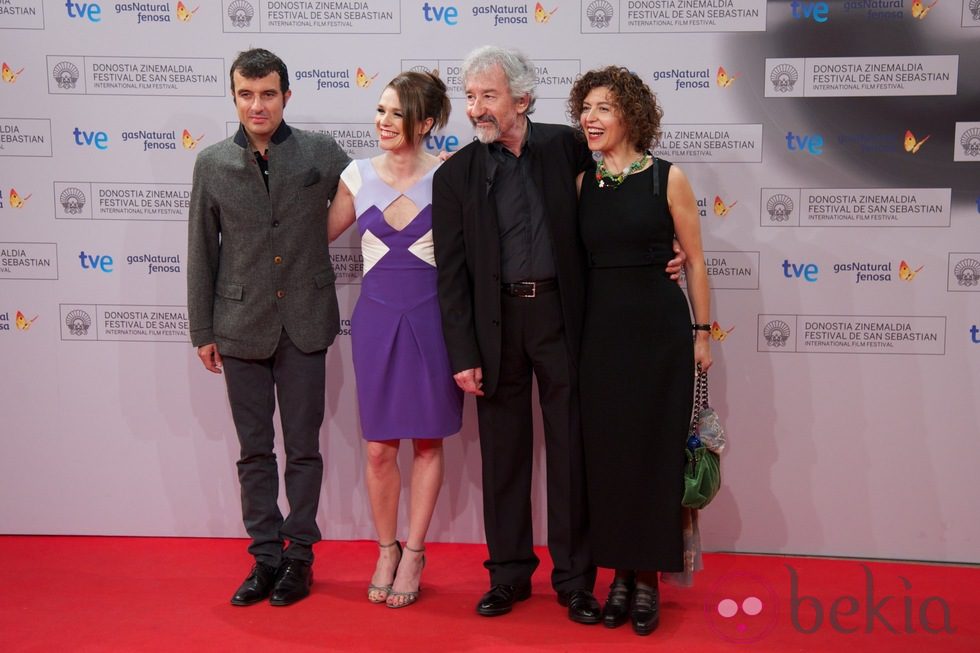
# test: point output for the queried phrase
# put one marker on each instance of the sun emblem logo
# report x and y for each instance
(780, 207)
(600, 14)
(784, 78)
(776, 333)
(241, 13)
(65, 74)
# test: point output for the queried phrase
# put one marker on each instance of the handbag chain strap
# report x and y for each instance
(700, 397)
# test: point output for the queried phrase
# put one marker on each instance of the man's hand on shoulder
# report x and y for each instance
(675, 264)
(210, 357)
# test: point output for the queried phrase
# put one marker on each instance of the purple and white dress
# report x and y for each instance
(405, 386)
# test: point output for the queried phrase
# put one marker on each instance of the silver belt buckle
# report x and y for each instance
(532, 285)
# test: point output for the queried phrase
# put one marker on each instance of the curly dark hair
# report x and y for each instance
(637, 104)
(422, 96)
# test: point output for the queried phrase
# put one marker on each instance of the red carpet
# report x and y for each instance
(159, 594)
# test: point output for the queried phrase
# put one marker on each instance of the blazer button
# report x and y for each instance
(280, 294)
(277, 260)
(496, 322)
(275, 223)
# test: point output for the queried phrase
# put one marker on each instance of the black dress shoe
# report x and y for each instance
(645, 610)
(293, 583)
(501, 598)
(257, 586)
(582, 606)
(617, 608)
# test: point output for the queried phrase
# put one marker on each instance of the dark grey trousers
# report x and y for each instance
(297, 380)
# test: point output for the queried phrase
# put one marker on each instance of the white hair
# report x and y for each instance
(517, 68)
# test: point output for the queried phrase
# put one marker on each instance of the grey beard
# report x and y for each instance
(487, 135)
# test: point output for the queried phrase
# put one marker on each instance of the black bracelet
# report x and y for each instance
(701, 327)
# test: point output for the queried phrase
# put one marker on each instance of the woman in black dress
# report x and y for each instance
(638, 354)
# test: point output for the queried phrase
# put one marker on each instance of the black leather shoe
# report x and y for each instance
(293, 583)
(257, 586)
(645, 610)
(582, 606)
(617, 608)
(501, 598)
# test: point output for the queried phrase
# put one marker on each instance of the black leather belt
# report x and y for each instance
(528, 289)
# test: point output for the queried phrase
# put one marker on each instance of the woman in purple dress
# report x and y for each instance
(405, 387)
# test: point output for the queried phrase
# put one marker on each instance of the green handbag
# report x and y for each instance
(702, 471)
(702, 477)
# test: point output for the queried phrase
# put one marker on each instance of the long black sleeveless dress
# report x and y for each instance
(637, 374)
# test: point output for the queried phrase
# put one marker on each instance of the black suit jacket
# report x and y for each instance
(467, 244)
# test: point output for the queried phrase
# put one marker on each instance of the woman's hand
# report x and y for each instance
(702, 350)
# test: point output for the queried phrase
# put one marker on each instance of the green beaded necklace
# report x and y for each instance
(604, 177)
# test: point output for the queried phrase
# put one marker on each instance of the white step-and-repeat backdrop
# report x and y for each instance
(834, 148)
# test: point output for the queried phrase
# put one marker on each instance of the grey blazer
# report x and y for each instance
(258, 260)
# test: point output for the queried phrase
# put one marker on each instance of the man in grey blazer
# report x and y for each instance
(262, 307)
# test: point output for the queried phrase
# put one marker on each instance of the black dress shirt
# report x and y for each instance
(525, 243)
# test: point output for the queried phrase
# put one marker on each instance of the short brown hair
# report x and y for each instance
(256, 64)
(636, 103)
(422, 96)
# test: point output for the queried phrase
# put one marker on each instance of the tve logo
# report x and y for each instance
(439, 143)
(101, 262)
(439, 13)
(975, 334)
(805, 271)
(817, 11)
(96, 139)
(88, 10)
(809, 143)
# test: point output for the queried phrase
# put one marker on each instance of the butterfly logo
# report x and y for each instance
(183, 14)
(911, 145)
(189, 141)
(718, 334)
(905, 271)
(542, 16)
(723, 79)
(22, 322)
(362, 79)
(920, 10)
(16, 200)
(8, 73)
(721, 209)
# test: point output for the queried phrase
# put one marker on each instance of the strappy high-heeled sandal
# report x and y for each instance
(380, 593)
(405, 599)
